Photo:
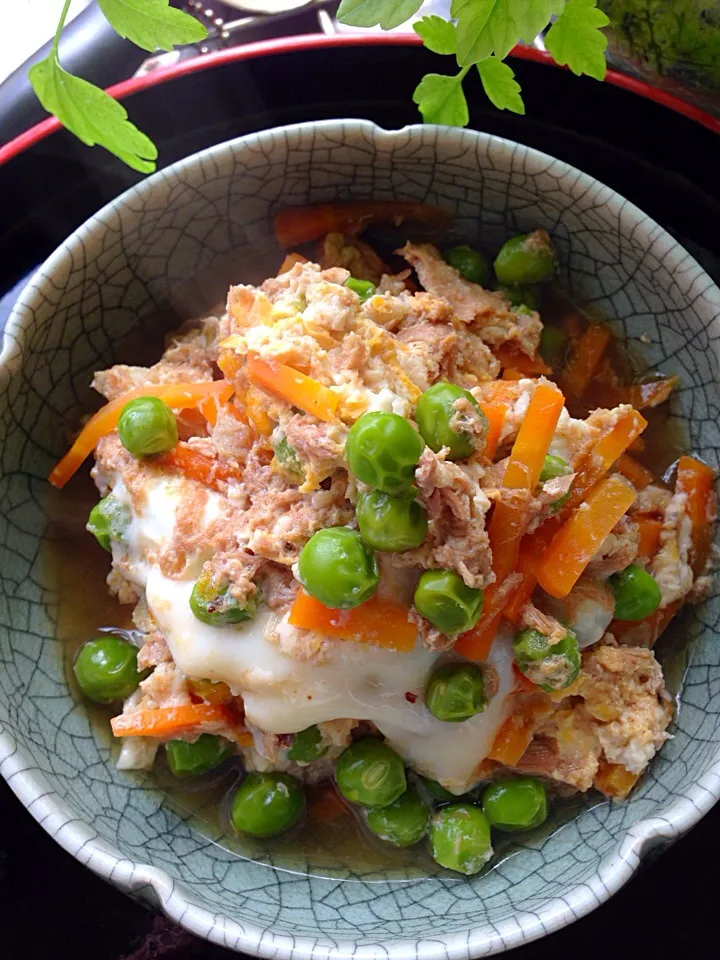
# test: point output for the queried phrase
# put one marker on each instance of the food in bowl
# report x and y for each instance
(381, 527)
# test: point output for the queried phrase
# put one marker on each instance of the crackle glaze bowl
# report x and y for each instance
(170, 245)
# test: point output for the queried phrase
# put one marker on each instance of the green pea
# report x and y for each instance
(370, 773)
(108, 521)
(469, 263)
(106, 669)
(363, 288)
(191, 759)
(287, 458)
(338, 568)
(390, 523)
(460, 838)
(443, 598)
(515, 804)
(308, 745)
(456, 692)
(147, 426)
(529, 296)
(437, 791)
(637, 593)
(267, 804)
(382, 450)
(403, 822)
(442, 425)
(218, 607)
(526, 259)
(553, 345)
(551, 666)
(553, 467)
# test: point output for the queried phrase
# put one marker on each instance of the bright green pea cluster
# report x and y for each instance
(460, 838)
(404, 822)
(526, 295)
(518, 804)
(218, 607)
(390, 523)
(147, 426)
(443, 598)
(106, 669)
(551, 666)
(363, 288)
(308, 745)
(370, 773)
(555, 467)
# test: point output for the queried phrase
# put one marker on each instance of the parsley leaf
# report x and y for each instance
(91, 114)
(495, 26)
(575, 40)
(437, 34)
(369, 13)
(440, 99)
(500, 85)
(152, 24)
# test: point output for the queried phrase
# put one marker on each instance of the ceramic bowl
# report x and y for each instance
(172, 243)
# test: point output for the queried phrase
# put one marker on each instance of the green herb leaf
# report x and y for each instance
(495, 26)
(575, 40)
(441, 99)
(437, 34)
(500, 85)
(152, 24)
(369, 13)
(92, 115)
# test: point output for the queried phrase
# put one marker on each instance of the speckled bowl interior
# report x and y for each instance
(173, 242)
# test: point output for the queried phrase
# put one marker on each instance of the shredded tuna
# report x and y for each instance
(618, 550)
(671, 564)
(430, 635)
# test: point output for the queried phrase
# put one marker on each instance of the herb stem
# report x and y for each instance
(61, 24)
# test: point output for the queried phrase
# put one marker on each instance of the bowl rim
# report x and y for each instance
(155, 885)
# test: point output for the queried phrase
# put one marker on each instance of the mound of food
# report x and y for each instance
(367, 541)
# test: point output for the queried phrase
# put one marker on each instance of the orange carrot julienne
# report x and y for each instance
(290, 260)
(510, 373)
(577, 541)
(517, 731)
(179, 396)
(697, 480)
(164, 723)
(597, 462)
(532, 548)
(495, 413)
(614, 780)
(476, 644)
(514, 359)
(302, 224)
(508, 521)
(294, 387)
(382, 623)
(635, 472)
(650, 528)
(196, 466)
(644, 395)
(586, 355)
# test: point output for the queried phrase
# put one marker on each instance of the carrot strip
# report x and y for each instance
(572, 325)
(644, 395)
(522, 473)
(532, 548)
(510, 374)
(294, 387)
(290, 260)
(596, 463)
(495, 413)
(697, 480)
(302, 224)
(614, 780)
(214, 692)
(180, 396)
(382, 623)
(650, 528)
(577, 541)
(165, 723)
(633, 471)
(517, 731)
(196, 466)
(585, 358)
(476, 644)
(512, 358)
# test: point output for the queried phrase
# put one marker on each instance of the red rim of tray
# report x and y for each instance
(267, 48)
